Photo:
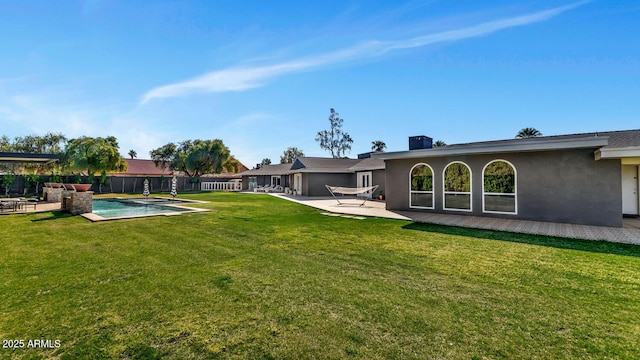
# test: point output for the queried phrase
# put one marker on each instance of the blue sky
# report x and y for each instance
(262, 75)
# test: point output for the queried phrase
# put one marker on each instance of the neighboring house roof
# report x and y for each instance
(605, 142)
(318, 165)
(227, 175)
(141, 167)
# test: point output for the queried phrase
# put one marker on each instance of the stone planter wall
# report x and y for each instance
(52, 194)
(81, 202)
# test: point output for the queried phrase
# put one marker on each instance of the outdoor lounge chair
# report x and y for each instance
(275, 189)
(258, 188)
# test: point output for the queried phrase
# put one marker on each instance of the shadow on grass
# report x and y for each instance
(54, 215)
(556, 242)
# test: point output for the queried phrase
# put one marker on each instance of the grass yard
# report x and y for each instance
(263, 278)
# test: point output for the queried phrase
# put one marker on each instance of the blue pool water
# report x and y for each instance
(117, 208)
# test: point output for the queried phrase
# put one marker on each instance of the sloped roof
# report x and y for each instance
(622, 138)
(318, 165)
(276, 169)
(323, 165)
(368, 164)
(227, 175)
(597, 140)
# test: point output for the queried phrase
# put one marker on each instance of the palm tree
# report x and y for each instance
(133, 153)
(528, 133)
(439, 143)
(378, 146)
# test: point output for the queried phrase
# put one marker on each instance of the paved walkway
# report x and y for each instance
(40, 207)
(629, 234)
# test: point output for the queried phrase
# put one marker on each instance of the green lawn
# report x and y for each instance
(259, 277)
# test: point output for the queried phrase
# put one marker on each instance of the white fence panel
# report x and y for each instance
(221, 186)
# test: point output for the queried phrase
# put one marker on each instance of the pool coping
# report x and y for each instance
(96, 218)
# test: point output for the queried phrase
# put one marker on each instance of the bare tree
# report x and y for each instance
(335, 140)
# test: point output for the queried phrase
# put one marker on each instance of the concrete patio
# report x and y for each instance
(629, 234)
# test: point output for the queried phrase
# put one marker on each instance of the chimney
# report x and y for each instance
(420, 142)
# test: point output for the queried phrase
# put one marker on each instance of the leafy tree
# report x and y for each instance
(5, 143)
(232, 165)
(335, 140)
(33, 180)
(163, 156)
(378, 145)
(290, 155)
(194, 158)
(93, 154)
(265, 161)
(439, 143)
(133, 154)
(51, 143)
(7, 182)
(528, 133)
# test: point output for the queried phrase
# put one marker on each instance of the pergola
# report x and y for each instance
(12, 157)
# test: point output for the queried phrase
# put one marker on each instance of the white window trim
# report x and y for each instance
(433, 200)
(470, 193)
(515, 194)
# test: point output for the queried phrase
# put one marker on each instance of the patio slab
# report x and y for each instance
(629, 234)
(350, 207)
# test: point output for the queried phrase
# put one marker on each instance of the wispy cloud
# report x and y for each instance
(242, 78)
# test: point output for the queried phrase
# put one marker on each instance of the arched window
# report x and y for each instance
(457, 186)
(499, 192)
(421, 191)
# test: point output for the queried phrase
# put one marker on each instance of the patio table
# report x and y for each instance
(11, 204)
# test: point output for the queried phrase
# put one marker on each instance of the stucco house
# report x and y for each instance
(308, 176)
(589, 178)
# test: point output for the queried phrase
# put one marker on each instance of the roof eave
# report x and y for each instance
(28, 157)
(529, 146)
(618, 153)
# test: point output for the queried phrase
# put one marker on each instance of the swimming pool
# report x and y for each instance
(121, 208)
